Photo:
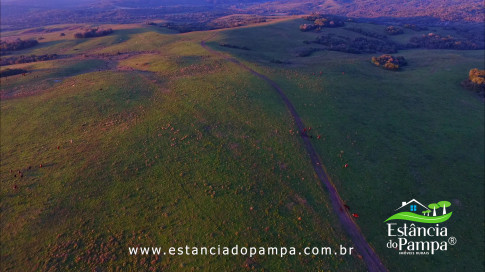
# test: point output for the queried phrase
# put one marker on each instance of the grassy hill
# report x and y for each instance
(410, 134)
(147, 139)
(161, 148)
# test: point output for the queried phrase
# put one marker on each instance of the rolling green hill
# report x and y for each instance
(147, 139)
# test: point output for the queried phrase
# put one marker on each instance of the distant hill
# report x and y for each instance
(45, 3)
(32, 13)
(447, 10)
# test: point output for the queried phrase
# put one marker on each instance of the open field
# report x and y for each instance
(147, 139)
(409, 134)
(200, 157)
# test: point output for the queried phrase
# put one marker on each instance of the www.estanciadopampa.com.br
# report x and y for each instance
(237, 250)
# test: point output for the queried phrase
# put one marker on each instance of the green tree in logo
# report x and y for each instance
(433, 206)
(426, 213)
(444, 204)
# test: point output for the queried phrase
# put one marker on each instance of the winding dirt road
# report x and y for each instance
(365, 250)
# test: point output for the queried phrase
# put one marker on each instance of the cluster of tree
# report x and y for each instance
(26, 59)
(389, 62)
(393, 30)
(322, 21)
(366, 33)
(435, 41)
(12, 72)
(235, 21)
(234, 46)
(475, 81)
(95, 32)
(415, 27)
(184, 27)
(471, 32)
(17, 44)
(307, 27)
(356, 45)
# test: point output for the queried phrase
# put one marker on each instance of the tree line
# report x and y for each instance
(366, 33)
(436, 41)
(375, 42)
(17, 44)
(91, 33)
(357, 45)
(26, 59)
(321, 21)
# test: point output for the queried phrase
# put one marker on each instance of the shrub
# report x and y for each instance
(392, 30)
(477, 76)
(389, 62)
(307, 27)
(475, 81)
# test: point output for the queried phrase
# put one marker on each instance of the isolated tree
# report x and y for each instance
(477, 76)
(433, 206)
(427, 212)
(321, 22)
(424, 213)
(444, 204)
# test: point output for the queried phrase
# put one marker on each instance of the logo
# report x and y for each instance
(410, 212)
(417, 239)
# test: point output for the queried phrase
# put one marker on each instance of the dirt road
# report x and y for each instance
(363, 248)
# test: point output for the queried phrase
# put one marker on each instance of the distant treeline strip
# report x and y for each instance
(26, 59)
(17, 45)
(435, 41)
(93, 33)
(375, 42)
(357, 45)
(366, 33)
